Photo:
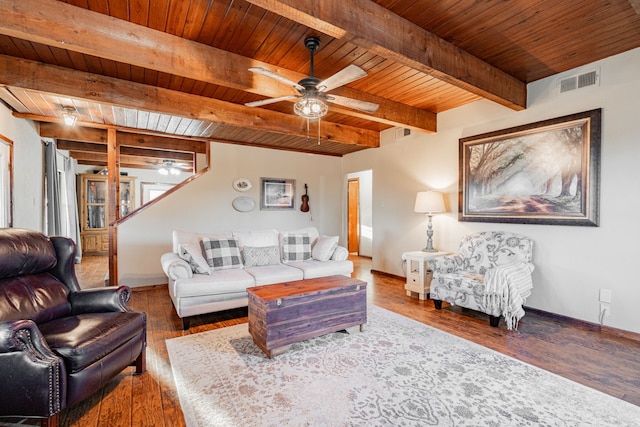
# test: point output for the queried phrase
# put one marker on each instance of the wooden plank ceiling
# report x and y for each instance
(174, 73)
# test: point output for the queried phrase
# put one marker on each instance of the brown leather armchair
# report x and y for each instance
(58, 344)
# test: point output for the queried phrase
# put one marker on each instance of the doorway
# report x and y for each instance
(359, 213)
(353, 215)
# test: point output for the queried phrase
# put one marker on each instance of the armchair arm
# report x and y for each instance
(175, 267)
(100, 300)
(32, 377)
(446, 264)
(340, 254)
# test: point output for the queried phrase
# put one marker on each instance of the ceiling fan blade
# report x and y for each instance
(270, 101)
(271, 74)
(356, 104)
(342, 77)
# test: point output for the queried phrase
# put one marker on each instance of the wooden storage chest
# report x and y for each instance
(285, 313)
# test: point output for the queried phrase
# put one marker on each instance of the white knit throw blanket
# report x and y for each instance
(506, 288)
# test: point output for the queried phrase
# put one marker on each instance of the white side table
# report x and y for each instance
(418, 274)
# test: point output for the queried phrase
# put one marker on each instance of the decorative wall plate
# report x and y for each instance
(243, 204)
(241, 184)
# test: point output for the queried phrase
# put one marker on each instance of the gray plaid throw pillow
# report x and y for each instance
(221, 254)
(296, 247)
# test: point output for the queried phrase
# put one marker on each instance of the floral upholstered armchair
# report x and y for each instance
(491, 273)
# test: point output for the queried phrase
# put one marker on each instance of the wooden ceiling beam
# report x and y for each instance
(76, 146)
(125, 139)
(99, 161)
(62, 25)
(56, 80)
(372, 27)
(135, 162)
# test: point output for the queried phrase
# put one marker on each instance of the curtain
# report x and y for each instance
(72, 205)
(52, 190)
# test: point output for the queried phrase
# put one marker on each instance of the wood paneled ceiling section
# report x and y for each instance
(519, 41)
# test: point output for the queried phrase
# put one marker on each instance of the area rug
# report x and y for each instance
(398, 372)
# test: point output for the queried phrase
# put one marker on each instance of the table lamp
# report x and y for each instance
(429, 202)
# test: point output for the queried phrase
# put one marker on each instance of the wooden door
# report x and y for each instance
(353, 215)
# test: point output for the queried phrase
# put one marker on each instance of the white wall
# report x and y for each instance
(205, 205)
(573, 263)
(28, 161)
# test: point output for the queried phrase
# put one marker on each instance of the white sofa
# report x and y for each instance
(210, 272)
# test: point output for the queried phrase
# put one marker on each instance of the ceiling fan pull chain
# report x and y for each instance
(308, 139)
(319, 130)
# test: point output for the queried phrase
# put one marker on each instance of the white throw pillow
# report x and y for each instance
(324, 248)
(192, 253)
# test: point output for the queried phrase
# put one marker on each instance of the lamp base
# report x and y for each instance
(429, 247)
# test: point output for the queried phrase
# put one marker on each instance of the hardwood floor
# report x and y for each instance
(573, 350)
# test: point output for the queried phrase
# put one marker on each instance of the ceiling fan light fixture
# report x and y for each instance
(69, 116)
(168, 167)
(310, 108)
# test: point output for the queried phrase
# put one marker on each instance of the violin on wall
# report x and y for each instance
(304, 207)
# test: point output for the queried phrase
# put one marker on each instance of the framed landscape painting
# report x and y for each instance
(543, 173)
(276, 194)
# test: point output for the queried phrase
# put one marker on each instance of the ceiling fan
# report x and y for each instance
(312, 91)
(171, 167)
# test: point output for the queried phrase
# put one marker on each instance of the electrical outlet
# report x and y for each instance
(605, 295)
(605, 310)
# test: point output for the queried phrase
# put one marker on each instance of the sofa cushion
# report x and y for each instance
(221, 254)
(257, 238)
(296, 247)
(269, 274)
(219, 282)
(86, 338)
(193, 255)
(179, 237)
(324, 247)
(312, 269)
(255, 256)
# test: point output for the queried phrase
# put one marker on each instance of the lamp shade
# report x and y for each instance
(429, 202)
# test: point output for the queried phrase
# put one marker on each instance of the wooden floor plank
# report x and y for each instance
(571, 349)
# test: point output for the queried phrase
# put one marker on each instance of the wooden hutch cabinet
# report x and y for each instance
(94, 206)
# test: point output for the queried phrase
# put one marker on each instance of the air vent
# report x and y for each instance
(580, 81)
(587, 79)
(402, 132)
(569, 84)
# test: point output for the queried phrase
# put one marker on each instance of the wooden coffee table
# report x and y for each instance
(290, 312)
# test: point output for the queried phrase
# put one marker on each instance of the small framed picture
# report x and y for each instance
(277, 194)
(242, 184)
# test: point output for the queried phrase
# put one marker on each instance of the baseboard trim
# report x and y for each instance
(384, 273)
(606, 330)
(147, 287)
